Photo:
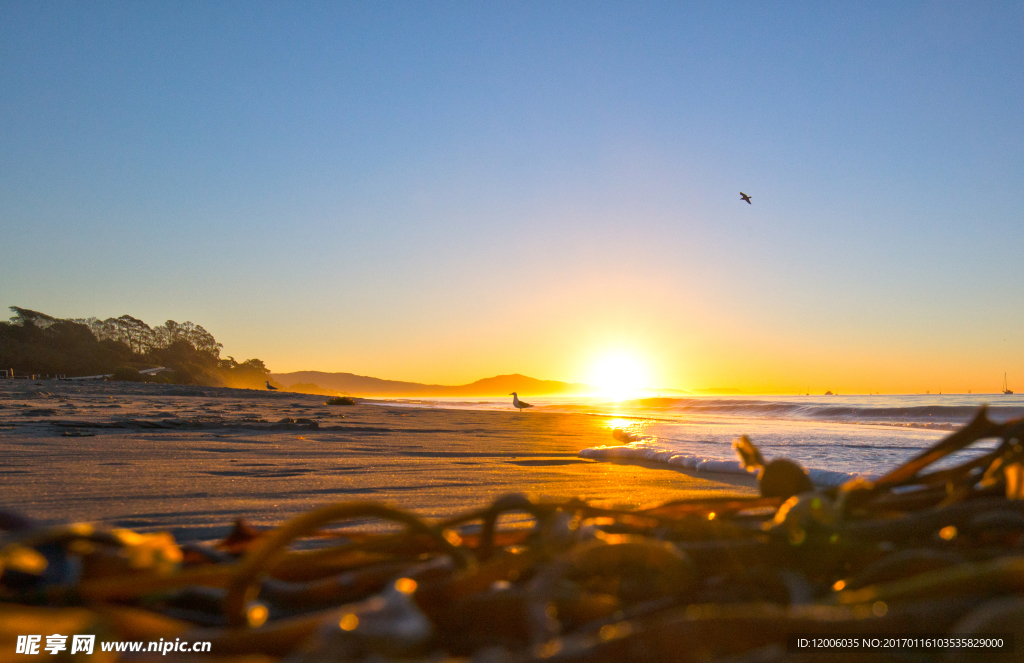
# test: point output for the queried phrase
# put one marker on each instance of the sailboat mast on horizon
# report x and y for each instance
(1006, 391)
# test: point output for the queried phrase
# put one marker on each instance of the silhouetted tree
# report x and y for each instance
(24, 316)
(134, 333)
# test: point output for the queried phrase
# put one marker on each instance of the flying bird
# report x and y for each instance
(269, 387)
(745, 197)
(518, 403)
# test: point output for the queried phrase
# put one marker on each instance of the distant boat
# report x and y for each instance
(1006, 392)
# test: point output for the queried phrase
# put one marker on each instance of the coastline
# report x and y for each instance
(190, 460)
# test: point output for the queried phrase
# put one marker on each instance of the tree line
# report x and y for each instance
(34, 342)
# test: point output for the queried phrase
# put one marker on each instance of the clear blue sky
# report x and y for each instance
(441, 191)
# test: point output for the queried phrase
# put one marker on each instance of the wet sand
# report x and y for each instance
(192, 459)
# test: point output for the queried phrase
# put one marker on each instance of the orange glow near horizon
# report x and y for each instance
(712, 361)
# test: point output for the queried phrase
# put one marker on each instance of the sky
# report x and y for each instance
(444, 191)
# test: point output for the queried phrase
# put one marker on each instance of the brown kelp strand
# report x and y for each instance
(920, 550)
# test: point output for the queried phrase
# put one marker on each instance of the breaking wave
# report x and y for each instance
(820, 477)
(908, 411)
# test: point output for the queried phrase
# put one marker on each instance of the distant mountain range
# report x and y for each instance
(359, 385)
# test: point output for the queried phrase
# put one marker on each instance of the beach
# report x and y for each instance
(191, 460)
(702, 580)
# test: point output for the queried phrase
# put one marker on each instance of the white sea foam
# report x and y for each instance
(819, 477)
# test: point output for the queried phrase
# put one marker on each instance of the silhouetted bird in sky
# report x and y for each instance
(745, 197)
(518, 403)
(269, 387)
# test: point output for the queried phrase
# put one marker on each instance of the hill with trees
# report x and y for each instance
(37, 343)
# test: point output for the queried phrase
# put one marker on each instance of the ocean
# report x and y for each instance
(834, 437)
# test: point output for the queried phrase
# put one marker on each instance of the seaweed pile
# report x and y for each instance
(918, 551)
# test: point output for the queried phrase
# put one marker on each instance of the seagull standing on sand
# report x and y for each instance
(269, 387)
(745, 197)
(518, 403)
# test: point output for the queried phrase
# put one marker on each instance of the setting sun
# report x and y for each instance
(619, 375)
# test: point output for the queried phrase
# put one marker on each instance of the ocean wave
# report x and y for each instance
(928, 415)
(820, 477)
(825, 444)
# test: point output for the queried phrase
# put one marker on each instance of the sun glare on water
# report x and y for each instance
(619, 376)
